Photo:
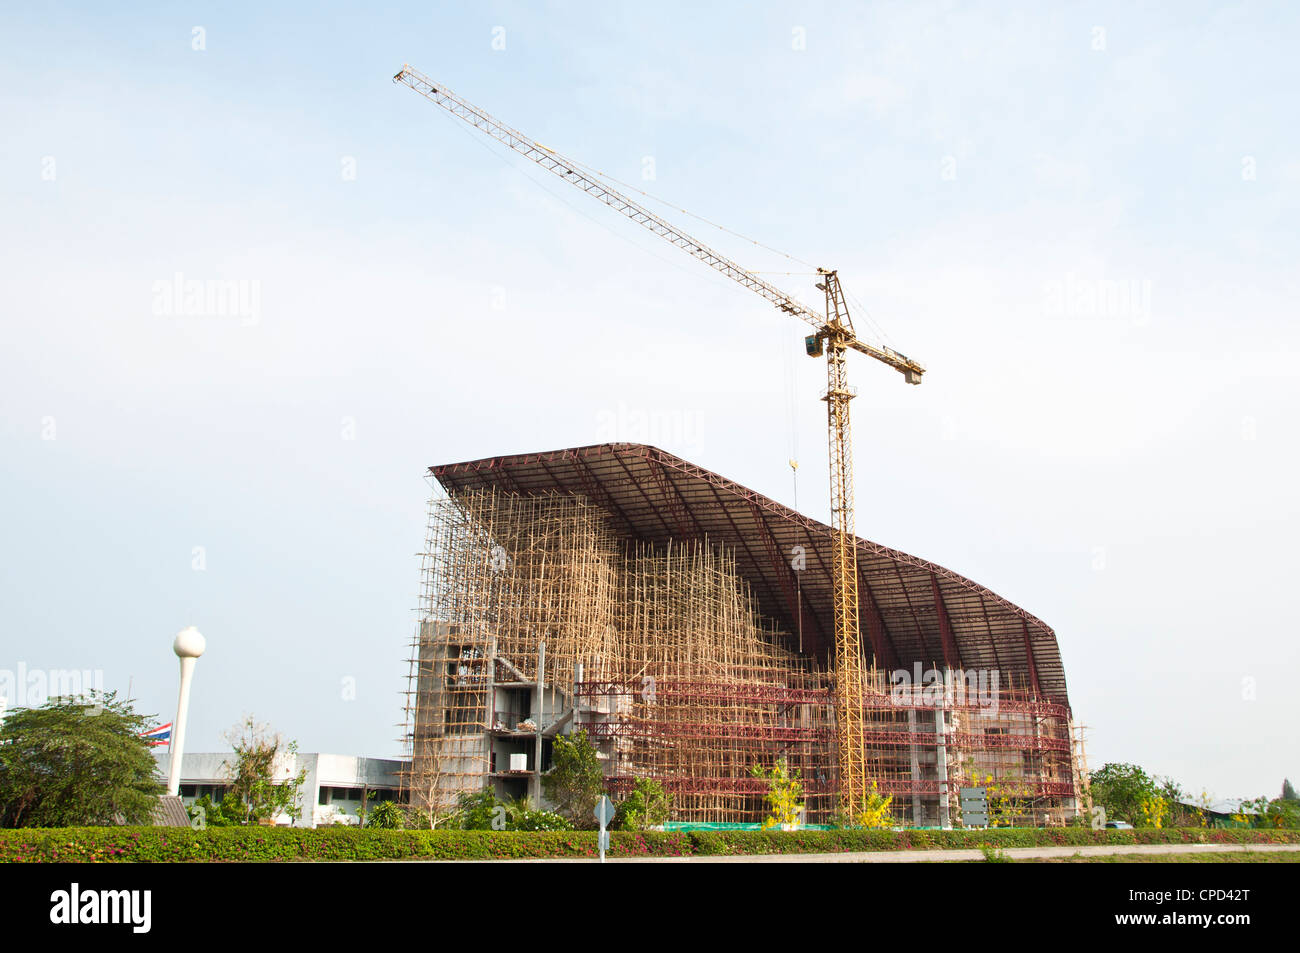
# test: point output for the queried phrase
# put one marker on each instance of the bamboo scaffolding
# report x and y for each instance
(682, 679)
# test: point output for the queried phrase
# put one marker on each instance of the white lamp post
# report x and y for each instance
(189, 645)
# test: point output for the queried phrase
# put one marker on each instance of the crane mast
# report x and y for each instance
(848, 675)
(834, 337)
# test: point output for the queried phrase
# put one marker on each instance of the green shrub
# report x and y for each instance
(224, 813)
(647, 806)
(386, 815)
(784, 797)
(540, 821)
(236, 844)
(415, 818)
(479, 810)
(708, 843)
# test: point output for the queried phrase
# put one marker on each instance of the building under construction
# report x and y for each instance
(686, 623)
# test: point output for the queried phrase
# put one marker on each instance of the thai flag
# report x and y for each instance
(162, 735)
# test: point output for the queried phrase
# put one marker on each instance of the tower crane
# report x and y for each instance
(833, 337)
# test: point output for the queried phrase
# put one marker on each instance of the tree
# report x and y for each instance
(427, 786)
(575, 782)
(223, 813)
(77, 762)
(260, 753)
(647, 806)
(1179, 806)
(1277, 813)
(1127, 793)
(1288, 792)
(1170, 790)
(1153, 810)
(871, 812)
(386, 815)
(1008, 798)
(784, 796)
(481, 811)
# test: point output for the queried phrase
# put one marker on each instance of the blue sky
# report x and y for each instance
(977, 172)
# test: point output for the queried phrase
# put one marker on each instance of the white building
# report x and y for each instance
(336, 788)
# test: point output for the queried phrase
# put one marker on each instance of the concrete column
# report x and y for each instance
(916, 768)
(309, 793)
(941, 765)
(490, 713)
(537, 718)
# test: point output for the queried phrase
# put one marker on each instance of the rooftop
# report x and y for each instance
(911, 610)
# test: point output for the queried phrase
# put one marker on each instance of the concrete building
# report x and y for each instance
(336, 789)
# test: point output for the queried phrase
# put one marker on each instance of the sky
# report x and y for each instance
(1079, 218)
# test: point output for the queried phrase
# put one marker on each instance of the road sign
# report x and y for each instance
(604, 814)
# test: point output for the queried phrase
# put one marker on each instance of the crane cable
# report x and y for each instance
(678, 208)
(526, 173)
(876, 328)
(861, 308)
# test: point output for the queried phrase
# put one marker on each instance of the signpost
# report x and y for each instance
(974, 807)
(604, 813)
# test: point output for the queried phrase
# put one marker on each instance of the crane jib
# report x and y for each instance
(568, 170)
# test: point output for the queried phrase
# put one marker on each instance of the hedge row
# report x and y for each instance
(235, 844)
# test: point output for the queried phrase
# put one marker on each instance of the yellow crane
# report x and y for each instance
(834, 338)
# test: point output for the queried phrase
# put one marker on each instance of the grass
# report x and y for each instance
(1220, 857)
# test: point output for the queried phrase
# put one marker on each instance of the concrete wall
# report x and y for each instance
(379, 775)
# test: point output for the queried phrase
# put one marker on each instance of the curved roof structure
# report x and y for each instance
(911, 610)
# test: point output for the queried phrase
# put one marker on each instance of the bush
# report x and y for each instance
(484, 811)
(647, 806)
(479, 810)
(708, 843)
(540, 821)
(414, 818)
(386, 816)
(872, 812)
(257, 844)
(225, 813)
(784, 796)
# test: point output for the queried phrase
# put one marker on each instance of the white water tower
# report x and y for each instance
(189, 645)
